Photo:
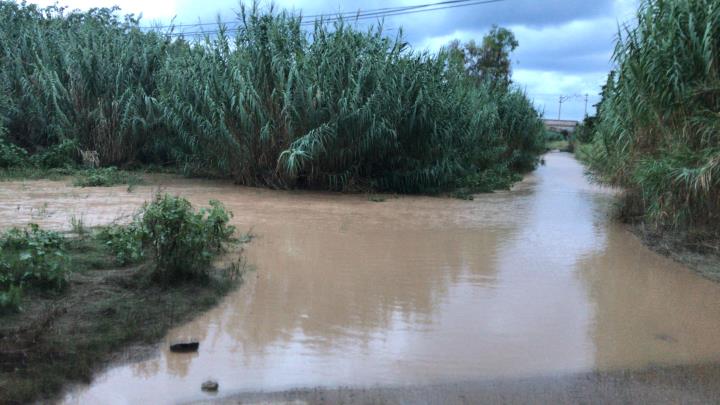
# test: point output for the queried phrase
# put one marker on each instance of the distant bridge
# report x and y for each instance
(561, 125)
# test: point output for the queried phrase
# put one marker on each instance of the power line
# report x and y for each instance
(576, 95)
(334, 15)
(370, 14)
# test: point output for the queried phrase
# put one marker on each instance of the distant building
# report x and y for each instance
(561, 125)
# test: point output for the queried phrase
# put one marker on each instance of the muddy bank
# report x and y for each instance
(669, 385)
(702, 257)
(105, 314)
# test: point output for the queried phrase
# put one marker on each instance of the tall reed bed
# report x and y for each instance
(82, 78)
(272, 104)
(659, 124)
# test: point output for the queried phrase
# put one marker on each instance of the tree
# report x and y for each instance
(489, 60)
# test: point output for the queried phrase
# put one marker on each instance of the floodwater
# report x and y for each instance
(535, 281)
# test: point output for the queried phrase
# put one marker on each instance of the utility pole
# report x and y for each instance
(560, 103)
(586, 100)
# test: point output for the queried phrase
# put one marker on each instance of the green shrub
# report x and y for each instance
(63, 154)
(184, 242)
(33, 257)
(105, 177)
(10, 298)
(486, 181)
(586, 131)
(181, 241)
(553, 136)
(11, 155)
(125, 242)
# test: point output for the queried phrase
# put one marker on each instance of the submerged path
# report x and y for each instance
(522, 287)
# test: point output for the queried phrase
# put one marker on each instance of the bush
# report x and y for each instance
(63, 154)
(489, 180)
(181, 242)
(553, 136)
(126, 242)
(31, 258)
(105, 177)
(586, 131)
(11, 155)
(272, 104)
(184, 242)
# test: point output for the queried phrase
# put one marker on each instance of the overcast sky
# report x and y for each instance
(565, 45)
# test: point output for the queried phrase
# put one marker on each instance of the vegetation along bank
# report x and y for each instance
(268, 104)
(657, 133)
(70, 302)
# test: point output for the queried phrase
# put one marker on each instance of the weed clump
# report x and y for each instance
(31, 258)
(11, 155)
(182, 242)
(105, 177)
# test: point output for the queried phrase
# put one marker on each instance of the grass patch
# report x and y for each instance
(562, 146)
(106, 177)
(485, 181)
(583, 152)
(35, 173)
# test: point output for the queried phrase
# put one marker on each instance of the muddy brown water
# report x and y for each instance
(410, 291)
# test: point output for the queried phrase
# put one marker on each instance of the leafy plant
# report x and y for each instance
(181, 241)
(78, 226)
(488, 180)
(553, 136)
(11, 155)
(63, 154)
(337, 108)
(105, 177)
(184, 242)
(125, 242)
(33, 257)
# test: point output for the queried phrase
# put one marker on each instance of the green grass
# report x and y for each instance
(35, 173)
(106, 177)
(583, 151)
(557, 145)
(552, 136)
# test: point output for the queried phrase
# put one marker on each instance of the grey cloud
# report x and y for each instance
(567, 63)
(533, 13)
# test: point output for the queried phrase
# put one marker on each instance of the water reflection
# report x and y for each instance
(649, 310)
